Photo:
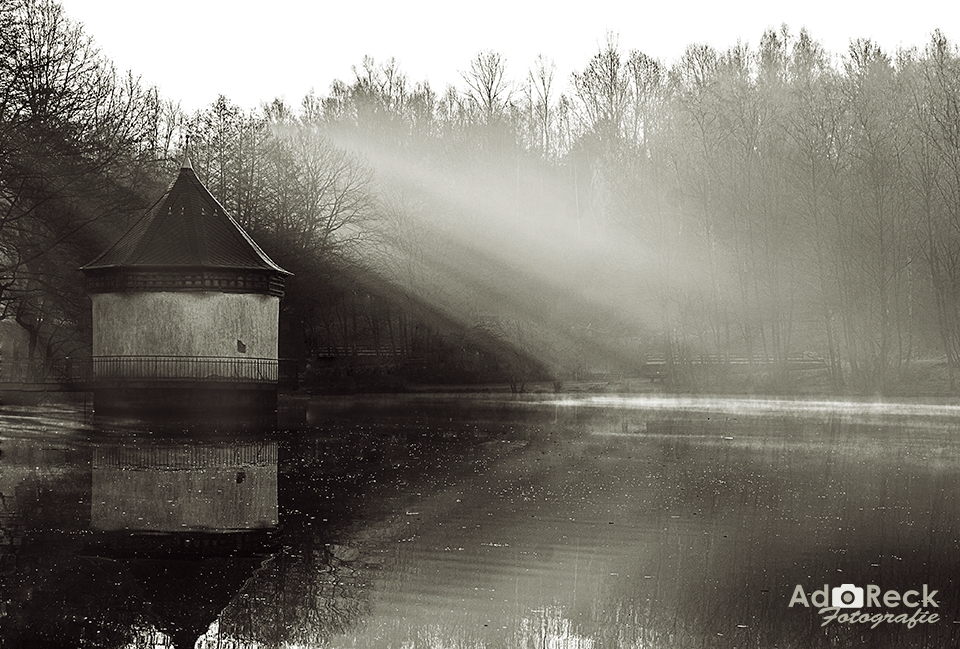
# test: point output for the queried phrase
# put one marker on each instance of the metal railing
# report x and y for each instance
(794, 361)
(78, 373)
(186, 368)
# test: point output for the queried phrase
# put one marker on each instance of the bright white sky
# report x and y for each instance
(194, 50)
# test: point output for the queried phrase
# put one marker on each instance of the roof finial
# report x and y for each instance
(186, 164)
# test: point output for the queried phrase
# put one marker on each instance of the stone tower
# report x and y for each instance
(185, 311)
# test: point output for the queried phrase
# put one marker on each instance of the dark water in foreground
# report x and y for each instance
(456, 523)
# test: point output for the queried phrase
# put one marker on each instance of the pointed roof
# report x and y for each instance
(187, 228)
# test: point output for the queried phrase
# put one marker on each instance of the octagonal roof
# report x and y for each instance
(186, 228)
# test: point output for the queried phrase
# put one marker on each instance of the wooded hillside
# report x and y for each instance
(762, 202)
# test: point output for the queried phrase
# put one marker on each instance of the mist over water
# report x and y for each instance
(849, 409)
(440, 521)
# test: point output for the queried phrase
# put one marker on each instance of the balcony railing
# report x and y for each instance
(72, 373)
(186, 368)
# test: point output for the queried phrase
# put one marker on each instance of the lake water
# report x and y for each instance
(454, 522)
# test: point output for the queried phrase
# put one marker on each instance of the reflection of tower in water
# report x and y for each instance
(184, 488)
(110, 537)
(190, 521)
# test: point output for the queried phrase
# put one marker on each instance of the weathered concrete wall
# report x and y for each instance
(185, 324)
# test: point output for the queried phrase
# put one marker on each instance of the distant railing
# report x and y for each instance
(657, 367)
(186, 368)
(796, 361)
(333, 352)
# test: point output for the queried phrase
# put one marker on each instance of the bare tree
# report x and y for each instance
(936, 164)
(74, 138)
(603, 91)
(319, 194)
(540, 102)
(488, 89)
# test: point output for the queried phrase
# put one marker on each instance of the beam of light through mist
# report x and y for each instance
(504, 239)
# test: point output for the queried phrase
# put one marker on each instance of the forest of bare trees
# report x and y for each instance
(772, 201)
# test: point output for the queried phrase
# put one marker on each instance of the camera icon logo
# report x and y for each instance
(846, 596)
